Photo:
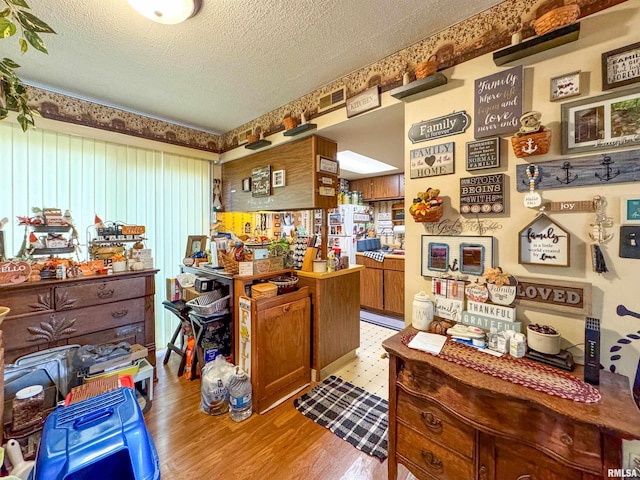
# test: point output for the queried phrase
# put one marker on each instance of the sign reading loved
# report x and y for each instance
(555, 295)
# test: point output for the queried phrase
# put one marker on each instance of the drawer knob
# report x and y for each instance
(286, 308)
(432, 422)
(103, 292)
(431, 461)
(566, 439)
(119, 313)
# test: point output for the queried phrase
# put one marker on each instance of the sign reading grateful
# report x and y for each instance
(498, 103)
(555, 295)
(451, 124)
(433, 160)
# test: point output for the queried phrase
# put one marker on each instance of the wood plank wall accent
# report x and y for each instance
(298, 159)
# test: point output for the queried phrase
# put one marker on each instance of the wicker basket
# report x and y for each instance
(229, 263)
(210, 303)
(252, 137)
(532, 144)
(427, 68)
(290, 123)
(433, 215)
(556, 18)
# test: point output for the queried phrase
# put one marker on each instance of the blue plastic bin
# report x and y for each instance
(101, 438)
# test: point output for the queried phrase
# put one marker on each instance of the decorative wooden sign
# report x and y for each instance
(487, 323)
(261, 181)
(570, 206)
(498, 312)
(363, 101)
(433, 160)
(483, 154)
(12, 273)
(601, 169)
(482, 194)
(544, 242)
(451, 124)
(448, 308)
(498, 103)
(476, 292)
(555, 295)
(504, 295)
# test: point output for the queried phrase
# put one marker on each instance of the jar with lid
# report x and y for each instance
(360, 199)
(27, 408)
(354, 198)
(422, 314)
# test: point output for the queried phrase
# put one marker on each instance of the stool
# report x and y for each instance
(179, 309)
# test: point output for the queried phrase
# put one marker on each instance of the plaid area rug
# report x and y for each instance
(357, 416)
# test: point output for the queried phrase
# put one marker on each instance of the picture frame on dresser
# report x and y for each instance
(195, 244)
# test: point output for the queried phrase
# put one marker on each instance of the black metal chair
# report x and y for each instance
(180, 310)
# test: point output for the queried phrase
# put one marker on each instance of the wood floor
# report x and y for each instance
(279, 445)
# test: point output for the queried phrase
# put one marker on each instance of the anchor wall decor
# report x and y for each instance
(600, 169)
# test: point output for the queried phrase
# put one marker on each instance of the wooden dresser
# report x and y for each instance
(88, 310)
(450, 422)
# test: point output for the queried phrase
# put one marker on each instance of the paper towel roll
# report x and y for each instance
(398, 230)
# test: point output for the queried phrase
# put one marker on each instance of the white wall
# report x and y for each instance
(168, 193)
(613, 28)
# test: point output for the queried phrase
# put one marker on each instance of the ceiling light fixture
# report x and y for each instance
(357, 163)
(168, 12)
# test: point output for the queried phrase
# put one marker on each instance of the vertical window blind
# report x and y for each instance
(169, 194)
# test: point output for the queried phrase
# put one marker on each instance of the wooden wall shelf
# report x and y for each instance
(418, 86)
(257, 145)
(537, 44)
(306, 127)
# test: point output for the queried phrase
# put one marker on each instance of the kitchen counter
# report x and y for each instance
(335, 317)
(383, 284)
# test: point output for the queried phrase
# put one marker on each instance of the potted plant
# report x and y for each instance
(13, 94)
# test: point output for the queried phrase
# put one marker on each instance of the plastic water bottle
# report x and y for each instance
(240, 399)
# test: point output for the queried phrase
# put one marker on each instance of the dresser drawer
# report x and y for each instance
(61, 326)
(96, 293)
(558, 436)
(28, 301)
(430, 457)
(435, 424)
(128, 333)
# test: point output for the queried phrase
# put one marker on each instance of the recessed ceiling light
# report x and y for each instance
(356, 163)
(168, 12)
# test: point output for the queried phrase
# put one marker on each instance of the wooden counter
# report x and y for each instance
(86, 310)
(382, 284)
(447, 421)
(335, 306)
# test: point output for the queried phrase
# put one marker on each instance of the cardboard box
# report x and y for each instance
(189, 293)
(173, 289)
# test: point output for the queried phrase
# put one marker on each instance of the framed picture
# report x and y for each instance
(629, 211)
(261, 181)
(483, 154)
(544, 242)
(246, 184)
(327, 165)
(466, 254)
(604, 122)
(567, 85)
(620, 66)
(195, 244)
(278, 179)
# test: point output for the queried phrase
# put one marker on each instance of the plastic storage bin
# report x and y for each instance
(101, 438)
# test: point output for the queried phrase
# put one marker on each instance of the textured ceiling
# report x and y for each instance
(234, 61)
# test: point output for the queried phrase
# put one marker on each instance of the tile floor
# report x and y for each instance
(369, 370)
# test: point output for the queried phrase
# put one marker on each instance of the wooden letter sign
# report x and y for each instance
(555, 295)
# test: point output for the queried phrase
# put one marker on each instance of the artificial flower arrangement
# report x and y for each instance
(427, 206)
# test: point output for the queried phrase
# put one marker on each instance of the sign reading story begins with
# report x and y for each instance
(482, 194)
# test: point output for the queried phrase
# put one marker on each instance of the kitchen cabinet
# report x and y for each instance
(397, 214)
(362, 185)
(335, 316)
(382, 284)
(448, 421)
(278, 337)
(86, 310)
(386, 187)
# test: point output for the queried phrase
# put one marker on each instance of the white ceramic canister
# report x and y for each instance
(422, 315)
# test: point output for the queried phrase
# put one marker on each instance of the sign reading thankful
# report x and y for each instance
(451, 124)
(498, 103)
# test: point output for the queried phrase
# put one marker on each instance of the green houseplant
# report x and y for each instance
(13, 94)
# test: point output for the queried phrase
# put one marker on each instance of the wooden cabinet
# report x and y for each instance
(386, 187)
(397, 213)
(362, 185)
(447, 421)
(279, 357)
(87, 310)
(382, 285)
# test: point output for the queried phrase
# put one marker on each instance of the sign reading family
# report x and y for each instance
(498, 103)
(451, 124)
(482, 194)
(544, 242)
(483, 154)
(433, 160)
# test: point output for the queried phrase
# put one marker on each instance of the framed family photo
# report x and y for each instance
(604, 122)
